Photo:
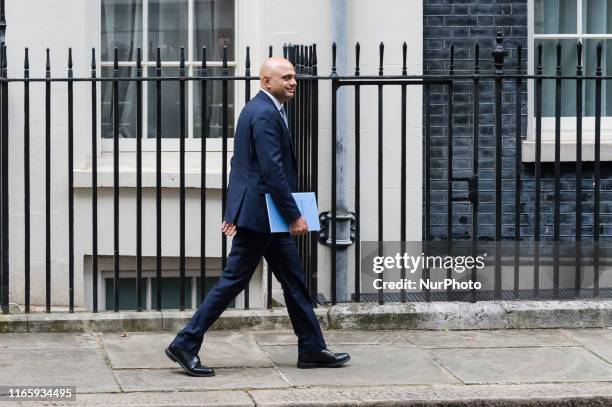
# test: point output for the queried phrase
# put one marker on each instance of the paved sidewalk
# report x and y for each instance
(555, 367)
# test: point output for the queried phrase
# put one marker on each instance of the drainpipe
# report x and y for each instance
(339, 33)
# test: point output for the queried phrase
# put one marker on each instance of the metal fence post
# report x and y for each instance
(4, 236)
(5, 192)
(498, 54)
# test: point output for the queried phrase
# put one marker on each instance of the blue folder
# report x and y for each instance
(306, 203)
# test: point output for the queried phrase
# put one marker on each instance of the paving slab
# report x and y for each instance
(536, 395)
(509, 338)
(369, 365)
(333, 337)
(176, 380)
(540, 395)
(591, 337)
(603, 352)
(146, 350)
(84, 368)
(524, 365)
(225, 398)
(48, 340)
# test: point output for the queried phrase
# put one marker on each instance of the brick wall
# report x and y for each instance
(463, 22)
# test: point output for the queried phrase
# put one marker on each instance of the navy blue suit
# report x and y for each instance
(263, 162)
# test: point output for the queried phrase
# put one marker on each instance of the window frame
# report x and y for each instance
(191, 276)
(568, 124)
(191, 66)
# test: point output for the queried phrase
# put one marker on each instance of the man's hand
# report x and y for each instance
(228, 229)
(298, 227)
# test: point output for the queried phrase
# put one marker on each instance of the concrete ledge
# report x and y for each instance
(480, 315)
(95, 322)
(364, 316)
(17, 323)
(433, 315)
(558, 314)
(260, 319)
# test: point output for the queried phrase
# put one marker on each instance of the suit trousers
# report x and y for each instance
(248, 247)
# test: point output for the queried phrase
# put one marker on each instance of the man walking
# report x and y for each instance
(263, 162)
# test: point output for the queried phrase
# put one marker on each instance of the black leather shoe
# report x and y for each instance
(324, 358)
(190, 363)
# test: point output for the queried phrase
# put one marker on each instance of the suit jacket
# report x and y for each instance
(263, 162)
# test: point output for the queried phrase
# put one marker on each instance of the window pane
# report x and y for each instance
(214, 28)
(214, 103)
(171, 288)
(568, 67)
(555, 17)
(597, 16)
(121, 28)
(170, 105)
(167, 28)
(127, 104)
(590, 63)
(127, 293)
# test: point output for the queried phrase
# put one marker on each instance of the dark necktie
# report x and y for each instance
(282, 112)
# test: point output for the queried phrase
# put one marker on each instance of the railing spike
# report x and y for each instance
(357, 52)
(381, 53)
(451, 68)
(558, 58)
(599, 57)
(499, 53)
(539, 66)
(334, 58)
(404, 58)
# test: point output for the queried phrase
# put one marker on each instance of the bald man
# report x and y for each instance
(263, 162)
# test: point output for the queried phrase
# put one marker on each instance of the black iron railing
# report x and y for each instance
(302, 120)
(464, 185)
(533, 251)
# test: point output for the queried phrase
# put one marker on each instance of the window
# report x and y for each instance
(168, 24)
(170, 292)
(567, 22)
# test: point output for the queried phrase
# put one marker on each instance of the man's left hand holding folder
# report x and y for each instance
(298, 227)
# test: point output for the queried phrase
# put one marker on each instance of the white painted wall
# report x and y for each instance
(369, 22)
(38, 24)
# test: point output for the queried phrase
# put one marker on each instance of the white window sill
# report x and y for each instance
(170, 173)
(568, 150)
